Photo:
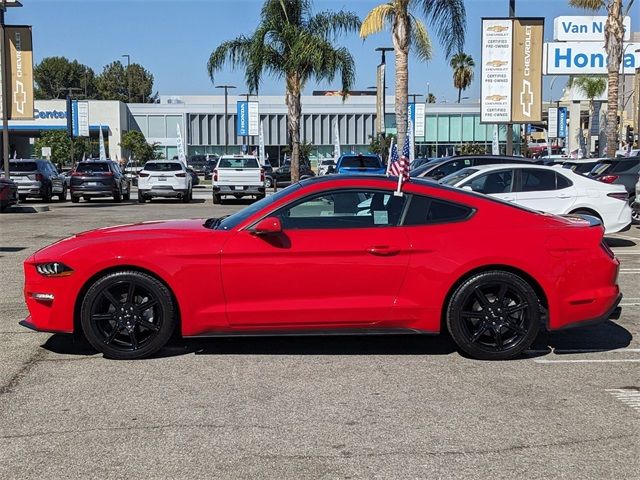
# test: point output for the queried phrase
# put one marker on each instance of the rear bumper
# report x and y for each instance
(34, 189)
(93, 191)
(613, 313)
(239, 190)
(162, 192)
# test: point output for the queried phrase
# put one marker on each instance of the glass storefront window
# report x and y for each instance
(431, 128)
(455, 128)
(156, 126)
(172, 122)
(139, 122)
(467, 128)
(443, 128)
(480, 130)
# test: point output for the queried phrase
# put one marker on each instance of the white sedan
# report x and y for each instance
(548, 189)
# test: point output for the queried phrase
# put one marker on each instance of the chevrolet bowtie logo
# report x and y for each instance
(526, 98)
(497, 28)
(19, 97)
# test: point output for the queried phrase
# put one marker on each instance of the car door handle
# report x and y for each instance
(564, 196)
(383, 250)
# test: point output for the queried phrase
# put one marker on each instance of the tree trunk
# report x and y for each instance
(293, 121)
(459, 94)
(401, 46)
(614, 32)
(592, 110)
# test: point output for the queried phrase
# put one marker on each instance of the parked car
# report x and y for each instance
(195, 179)
(635, 206)
(165, 179)
(99, 178)
(619, 171)
(326, 167)
(209, 167)
(441, 167)
(634, 152)
(282, 176)
(369, 164)
(549, 189)
(580, 165)
(8, 193)
(267, 167)
(493, 272)
(239, 176)
(37, 178)
(418, 162)
(197, 163)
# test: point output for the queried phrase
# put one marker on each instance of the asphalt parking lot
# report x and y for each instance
(292, 408)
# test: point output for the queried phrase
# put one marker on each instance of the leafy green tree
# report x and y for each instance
(53, 77)
(291, 43)
(592, 87)
(473, 149)
(60, 144)
(613, 44)
(462, 65)
(380, 145)
(141, 151)
(117, 82)
(408, 32)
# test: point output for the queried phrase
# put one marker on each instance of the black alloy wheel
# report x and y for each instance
(494, 315)
(128, 315)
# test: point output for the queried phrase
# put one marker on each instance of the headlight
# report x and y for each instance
(53, 269)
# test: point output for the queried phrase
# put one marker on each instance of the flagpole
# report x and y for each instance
(389, 157)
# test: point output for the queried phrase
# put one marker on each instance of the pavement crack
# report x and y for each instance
(23, 371)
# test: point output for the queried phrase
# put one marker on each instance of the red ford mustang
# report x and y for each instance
(338, 254)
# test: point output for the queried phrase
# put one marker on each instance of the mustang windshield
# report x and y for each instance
(233, 220)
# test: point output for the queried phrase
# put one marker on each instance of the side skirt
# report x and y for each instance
(315, 333)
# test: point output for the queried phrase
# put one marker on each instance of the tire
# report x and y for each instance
(86, 199)
(493, 315)
(22, 198)
(127, 196)
(75, 199)
(141, 198)
(260, 197)
(63, 196)
(46, 196)
(186, 198)
(117, 197)
(217, 199)
(128, 315)
(268, 182)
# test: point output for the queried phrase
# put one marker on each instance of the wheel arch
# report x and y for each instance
(589, 210)
(535, 284)
(77, 326)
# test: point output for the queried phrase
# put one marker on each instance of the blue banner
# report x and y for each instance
(74, 110)
(412, 113)
(243, 119)
(562, 122)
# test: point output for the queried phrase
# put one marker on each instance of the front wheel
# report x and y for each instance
(217, 199)
(128, 315)
(494, 315)
(63, 196)
(127, 196)
(117, 196)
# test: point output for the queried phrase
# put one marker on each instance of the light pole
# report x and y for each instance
(383, 94)
(128, 57)
(226, 114)
(413, 96)
(6, 90)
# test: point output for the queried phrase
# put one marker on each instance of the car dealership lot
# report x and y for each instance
(325, 407)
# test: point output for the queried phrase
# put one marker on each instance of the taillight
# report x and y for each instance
(39, 177)
(181, 175)
(262, 175)
(215, 175)
(619, 195)
(142, 174)
(608, 178)
(76, 174)
(107, 174)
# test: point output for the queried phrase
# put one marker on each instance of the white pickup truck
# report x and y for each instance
(239, 176)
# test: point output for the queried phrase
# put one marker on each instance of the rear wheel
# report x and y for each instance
(217, 199)
(117, 196)
(268, 182)
(186, 197)
(46, 195)
(587, 212)
(75, 199)
(63, 196)
(127, 196)
(128, 315)
(141, 198)
(494, 315)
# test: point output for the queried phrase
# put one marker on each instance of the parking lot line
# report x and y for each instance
(586, 360)
(629, 397)
(567, 351)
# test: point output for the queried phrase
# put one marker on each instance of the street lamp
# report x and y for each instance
(226, 114)
(128, 57)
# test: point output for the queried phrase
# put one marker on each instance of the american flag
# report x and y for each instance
(400, 166)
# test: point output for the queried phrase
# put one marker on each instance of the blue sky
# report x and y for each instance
(173, 39)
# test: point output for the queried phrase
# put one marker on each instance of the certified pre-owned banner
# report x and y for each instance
(20, 69)
(511, 83)
(526, 106)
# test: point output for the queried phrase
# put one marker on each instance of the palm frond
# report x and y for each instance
(448, 17)
(235, 52)
(588, 4)
(375, 20)
(331, 24)
(420, 41)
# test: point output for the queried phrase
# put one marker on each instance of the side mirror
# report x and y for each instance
(267, 226)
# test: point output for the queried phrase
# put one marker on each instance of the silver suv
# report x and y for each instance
(37, 178)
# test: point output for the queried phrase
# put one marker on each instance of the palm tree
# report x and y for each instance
(292, 44)
(431, 98)
(613, 39)
(409, 33)
(592, 87)
(462, 65)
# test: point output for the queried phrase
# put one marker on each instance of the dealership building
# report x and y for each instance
(201, 120)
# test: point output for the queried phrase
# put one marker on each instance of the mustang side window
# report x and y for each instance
(344, 209)
(426, 211)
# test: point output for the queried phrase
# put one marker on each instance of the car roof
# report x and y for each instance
(502, 166)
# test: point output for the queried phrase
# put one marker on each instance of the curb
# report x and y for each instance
(27, 209)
